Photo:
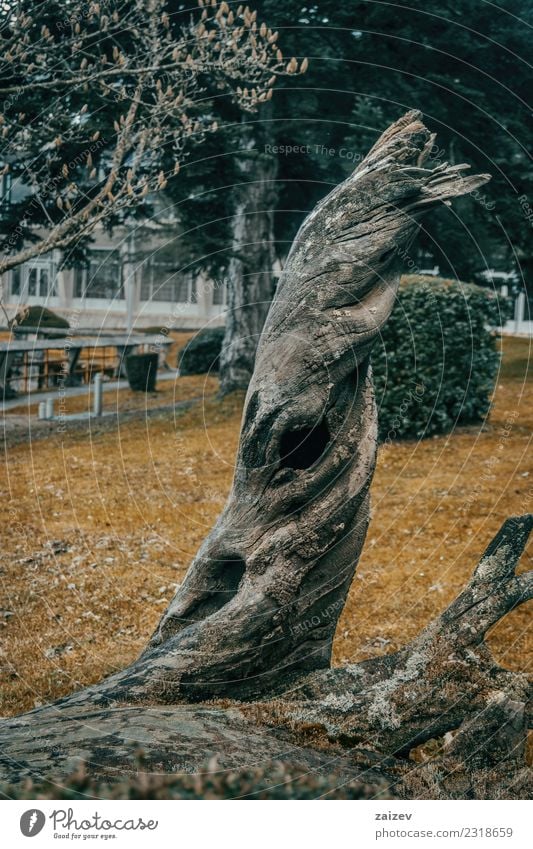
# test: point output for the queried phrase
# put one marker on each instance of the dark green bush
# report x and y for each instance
(154, 330)
(201, 354)
(36, 316)
(436, 362)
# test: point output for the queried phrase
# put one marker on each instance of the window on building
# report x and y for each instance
(101, 277)
(80, 274)
(161, 282)
(34, 281)
(16, 282)
(219, 292)
(146, 281)
(43, 282)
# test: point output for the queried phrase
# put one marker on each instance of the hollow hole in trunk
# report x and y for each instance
(387, 255)
(222, 584)
(301, 448)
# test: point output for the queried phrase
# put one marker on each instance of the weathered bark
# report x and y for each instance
(285, 548)
(446, 680)
(256, 614)
(250, 273)
(181, 739)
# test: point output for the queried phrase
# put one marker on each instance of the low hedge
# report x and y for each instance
(434, 366)
(436, 363)
(36, 316)
(202, 352)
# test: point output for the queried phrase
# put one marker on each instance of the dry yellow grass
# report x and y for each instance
(99, 530)
(168, 393)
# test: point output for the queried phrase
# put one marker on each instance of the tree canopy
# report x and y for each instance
(462, 64)
(69, 73)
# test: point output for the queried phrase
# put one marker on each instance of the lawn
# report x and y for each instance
(100, 528)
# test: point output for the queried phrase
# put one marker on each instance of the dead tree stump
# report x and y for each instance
(255, 617)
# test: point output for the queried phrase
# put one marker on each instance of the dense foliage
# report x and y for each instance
(36, 316)
(461, 63)
(436, 363)
(201, 354)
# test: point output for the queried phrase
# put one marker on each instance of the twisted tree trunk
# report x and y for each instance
(285, 548)
(256, 614)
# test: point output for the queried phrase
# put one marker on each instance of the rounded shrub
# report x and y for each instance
(436, 363)
(202, 352)
(37, 317)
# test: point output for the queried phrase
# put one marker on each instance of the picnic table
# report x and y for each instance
(70, 348)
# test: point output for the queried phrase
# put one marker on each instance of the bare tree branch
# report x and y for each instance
(157, 79)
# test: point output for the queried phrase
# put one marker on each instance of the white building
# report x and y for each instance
(118, 289)
(139, 277)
